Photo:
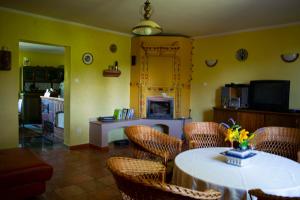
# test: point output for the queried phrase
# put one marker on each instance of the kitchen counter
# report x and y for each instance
(52, 98)
(53, 116)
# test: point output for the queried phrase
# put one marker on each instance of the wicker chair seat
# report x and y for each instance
(146, 188)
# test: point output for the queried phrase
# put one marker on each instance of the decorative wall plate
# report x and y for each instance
(113, 48)
(289, 57)
(241, 54)
(87, 58)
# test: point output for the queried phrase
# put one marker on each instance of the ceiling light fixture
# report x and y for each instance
(147, 26)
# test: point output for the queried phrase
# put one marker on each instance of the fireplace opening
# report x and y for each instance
(161, 128)
(160, 107)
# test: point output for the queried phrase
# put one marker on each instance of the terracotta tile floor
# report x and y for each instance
(80, 174)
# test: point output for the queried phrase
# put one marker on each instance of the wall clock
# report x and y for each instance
(241, 54)
(87, 58)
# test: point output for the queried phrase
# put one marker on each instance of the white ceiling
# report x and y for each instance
(26, 46)
(185, 17)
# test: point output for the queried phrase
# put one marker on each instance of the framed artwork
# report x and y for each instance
(5, 60)
(87, 58)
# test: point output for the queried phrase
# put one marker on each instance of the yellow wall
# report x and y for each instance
(87, 93)
(264, 62)
(41, 58)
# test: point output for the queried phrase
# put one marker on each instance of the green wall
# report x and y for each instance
(264, 62)
(87, 93)
(39, 58)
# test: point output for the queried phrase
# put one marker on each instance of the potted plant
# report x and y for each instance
(238, 137)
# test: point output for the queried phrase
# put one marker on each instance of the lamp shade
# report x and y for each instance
(147, 27)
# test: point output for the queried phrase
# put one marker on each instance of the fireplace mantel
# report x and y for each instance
(163, 64)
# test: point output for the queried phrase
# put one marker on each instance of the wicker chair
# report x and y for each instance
(137, 180)
(205, 134)
(278, 140)
(260, 195)
(148, 143)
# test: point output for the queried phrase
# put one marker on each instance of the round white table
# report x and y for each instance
(206, 168)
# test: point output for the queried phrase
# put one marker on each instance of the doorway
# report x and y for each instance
(41, 100)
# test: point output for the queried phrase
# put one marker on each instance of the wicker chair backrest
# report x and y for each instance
(281, 141)
(205, 134)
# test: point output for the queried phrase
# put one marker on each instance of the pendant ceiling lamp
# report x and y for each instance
(147, 26)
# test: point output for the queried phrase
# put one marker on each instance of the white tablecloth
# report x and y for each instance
(206, 168)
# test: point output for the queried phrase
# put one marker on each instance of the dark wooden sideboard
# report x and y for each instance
(253, 119)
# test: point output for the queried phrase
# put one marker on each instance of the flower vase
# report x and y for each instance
(244, 146)
(239, 155)
(241, 150)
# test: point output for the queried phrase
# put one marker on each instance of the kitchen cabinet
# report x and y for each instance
(40, 74)
(37, 79)
(55, 75)
(28, 74)
(43, 74)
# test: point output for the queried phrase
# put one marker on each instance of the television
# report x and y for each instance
(270, 95)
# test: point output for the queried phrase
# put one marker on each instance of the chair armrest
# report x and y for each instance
(194, 194)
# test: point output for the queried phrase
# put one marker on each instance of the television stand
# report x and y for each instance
(252, 120)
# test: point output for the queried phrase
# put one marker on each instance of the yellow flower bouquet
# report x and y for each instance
(235, 133)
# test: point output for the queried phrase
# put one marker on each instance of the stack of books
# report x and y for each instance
(124, 114)
(106, 119)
